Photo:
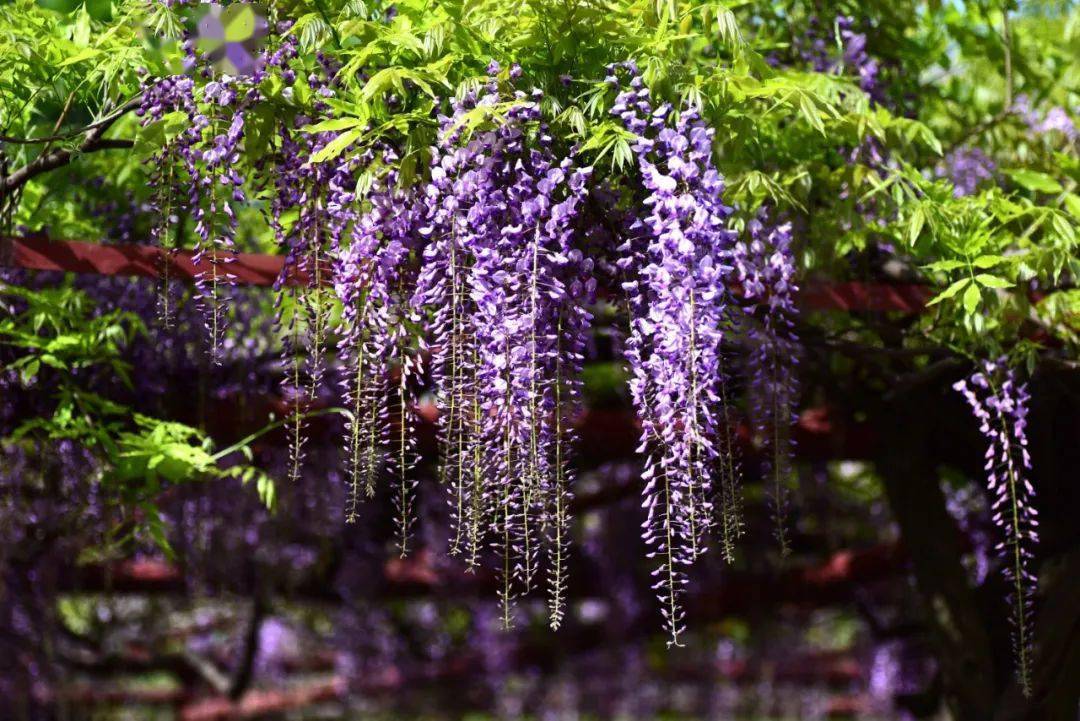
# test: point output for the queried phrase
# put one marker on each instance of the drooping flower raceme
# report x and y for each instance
(371, 277)
(1000, 403)
(217, 186)
(677, 267)
(505, 290)
(765, 268)
(819, 52)
(312, 209)
(168, 168)
(856, 57)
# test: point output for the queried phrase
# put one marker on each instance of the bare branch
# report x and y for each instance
(60, 157)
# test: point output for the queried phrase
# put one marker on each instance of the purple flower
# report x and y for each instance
(966, 168)
(1000, 405)
(676, 265)
(765, 267)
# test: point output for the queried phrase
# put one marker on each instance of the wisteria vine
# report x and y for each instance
(1000, 403)
(765, 269)
(681, 260)
(485, 272)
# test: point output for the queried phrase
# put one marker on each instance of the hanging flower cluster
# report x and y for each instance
(856, 57)
(1000, 404)
(209, 151)
(818, 48)
(167, 169)
(486, 271)
(677, 265)
(503, 294)
(372, 275)
(966, 168)
(311, 212)
(765, 268)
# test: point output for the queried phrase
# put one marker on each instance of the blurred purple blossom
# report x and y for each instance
(966, 168)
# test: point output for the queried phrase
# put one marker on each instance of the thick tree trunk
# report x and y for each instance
(908, 471)
(970, 625)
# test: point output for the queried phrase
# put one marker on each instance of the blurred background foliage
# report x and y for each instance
(952, 164)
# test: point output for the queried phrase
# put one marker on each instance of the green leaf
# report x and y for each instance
(971, 299)
(60, 6)
(918, 219)
(337, 146)
(156, 526)
(239, 21)
(1072, 204)
(806, 107)
(728, 27)
(992, 281)
(950, 291)
(29, 371)
(85, 54)
(1034, 180)
(332, 125)
(382, 81)
(988, 261)
(100, 10)
(944, 266)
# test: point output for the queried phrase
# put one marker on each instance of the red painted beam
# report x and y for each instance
(38, 253)
(260, 703)
(148, 261)
(872, 297)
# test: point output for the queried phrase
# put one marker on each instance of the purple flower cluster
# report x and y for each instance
(371, 278)
(765, 267)
(311, 212)
(196, 171)
(854, 59)
(857, 59)
(487, 272)
(1055, 120)
(505, 291)
(204, 159)
(1000, 403)
(168, 169)
(217, 186)
(676, 265)
(966, 168)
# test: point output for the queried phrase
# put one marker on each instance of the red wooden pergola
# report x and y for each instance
(73, 256)
(818, 435)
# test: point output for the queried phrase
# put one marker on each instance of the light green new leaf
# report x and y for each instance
(1034, 180)
(337, 146)
(332, 125)
(950, 291)
(945, 266)
(988, 261)
(992, 281)
(971, 299)
(85, 54)
(1072, 204)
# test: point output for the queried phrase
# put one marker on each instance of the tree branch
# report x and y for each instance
(243, 673)
(109, 119)
(909, 473)
(53, 159)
